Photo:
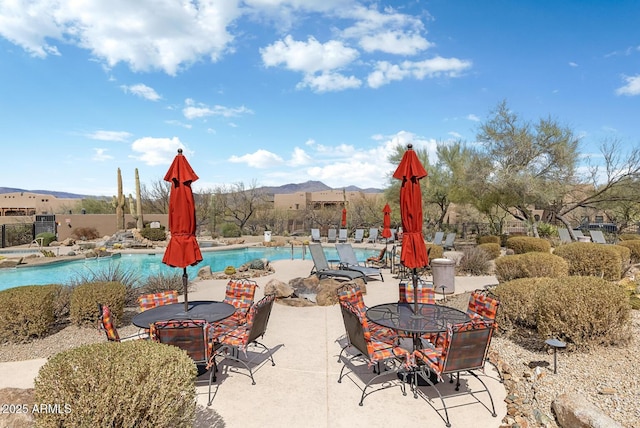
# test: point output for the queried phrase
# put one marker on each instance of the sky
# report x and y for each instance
(270, 92)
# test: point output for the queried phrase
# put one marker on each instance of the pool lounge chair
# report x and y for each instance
(343, 235)
(437, 238)
(565, 237)
(321, 266)
(598, 237)
(315, 235)
(332, 235)
(359, 236)
(448, 242)
(349, 261)
(373, 235)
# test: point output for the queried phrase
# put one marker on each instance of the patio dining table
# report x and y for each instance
(208, 310)
(429, 318)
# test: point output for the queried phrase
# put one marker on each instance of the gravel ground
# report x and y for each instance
(605, 376)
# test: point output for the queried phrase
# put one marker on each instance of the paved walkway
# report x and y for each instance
(302, 388)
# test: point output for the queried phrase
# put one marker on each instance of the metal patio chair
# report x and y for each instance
(349, 261)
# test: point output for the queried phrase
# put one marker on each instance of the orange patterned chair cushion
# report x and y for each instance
(148, 301)
(426, 294)
(482, 305)
(107, 320)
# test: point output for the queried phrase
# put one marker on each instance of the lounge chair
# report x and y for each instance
(332, 235)
(373, 235)
(437, 238)
(315, 235)
(448, 242)
(349, 261)
(578, 233)
(343, 235)
(392, 239)
(378, 261)
(359, 236)
(565, 237)
(598, 237)
(321, 266)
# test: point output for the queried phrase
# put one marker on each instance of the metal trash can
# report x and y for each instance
(267, 236)
(444, 275)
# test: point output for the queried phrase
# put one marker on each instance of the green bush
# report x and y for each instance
(546, 230)
(527, 244)
(137, 383)
(231, 230)
(634, 248)
(583, 311)
(153, 234)
(27, 312)
(435, 251)
(475, 261)
(47, 238)
(85, 299)
(491, 248)
(591, 259)
(530, 265)
(489, 239)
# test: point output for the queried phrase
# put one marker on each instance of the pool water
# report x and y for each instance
(145, 265)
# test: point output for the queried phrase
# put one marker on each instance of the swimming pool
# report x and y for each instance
(146, 265)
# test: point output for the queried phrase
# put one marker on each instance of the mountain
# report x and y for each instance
(64, 195)
(312, 186)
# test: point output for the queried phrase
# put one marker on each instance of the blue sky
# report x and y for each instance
(285, 91)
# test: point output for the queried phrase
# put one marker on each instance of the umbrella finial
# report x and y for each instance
(409, 146)
(179, 151)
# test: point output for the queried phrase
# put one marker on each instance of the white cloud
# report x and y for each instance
(193, 110)
(573, 64)
(109, 135)
(174, 35)
(143, 91)
(395, 42)
(455, 135)
(157, 151)
(299, 157)
(258, 159)
(178, 123)
(308, 57)
(472, 117)
(386, 72)
(101, 155)
(632, 86)
(329, 82)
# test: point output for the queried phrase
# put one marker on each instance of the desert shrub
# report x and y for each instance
(629, 237)
(137, 383)
(583, 311)
(113, 272)
(47, 238)
(634, 249)
(591, 259)
(161, 282)
(530, 265)
(489, 239)
(435, 251)
(230, 230)
(475, 261)
(527, 244)
(517, 304)
(625, 257)
(546, 230)
(85, 233)
(154, 234)
(491, 248)
(27, 312)
(229, 270)
(85, 299)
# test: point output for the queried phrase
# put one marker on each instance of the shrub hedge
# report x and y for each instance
(583, 311)
(629, 237)
(475, 261)
(27, 312)
(85, 299)
(136, 383)
(435, 251)
(47, 238)
(591, 259)
(154, 234)
(530, 265)
(527, 244)
(491, 248)
(489, 239)
(634, 248)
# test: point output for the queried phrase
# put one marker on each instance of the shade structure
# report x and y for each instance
(183, 249)
(386, 222)
(414, 251)
(344, 217)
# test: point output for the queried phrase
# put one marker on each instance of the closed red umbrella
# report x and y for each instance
(344, 217)
(183, 249)
(386, 221)
(414, 251)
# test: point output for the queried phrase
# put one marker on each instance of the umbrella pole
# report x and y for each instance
(415, 290)
(185, 286)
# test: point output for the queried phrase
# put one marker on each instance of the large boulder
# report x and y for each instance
(281, 289)
(575, 411)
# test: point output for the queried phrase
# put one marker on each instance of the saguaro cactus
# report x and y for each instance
(119, 202)
(138, 216)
